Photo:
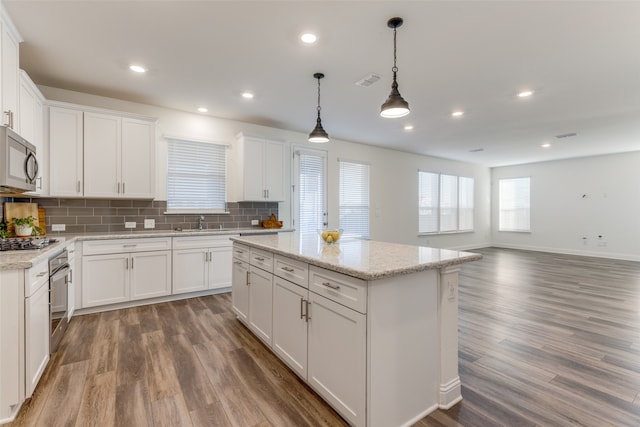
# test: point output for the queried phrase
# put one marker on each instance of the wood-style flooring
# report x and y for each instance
(544, 340)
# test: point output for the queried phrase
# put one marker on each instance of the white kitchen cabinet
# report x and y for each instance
(263, 170)
(261, 303)
(73, 282)
(116, 271)
(337, 356)
(240, 290)
(65, 152)
(290, 310)
(10, 77)
(118, 156)
(37, 324)
(32, 127)
(201, 263)
(11, 343)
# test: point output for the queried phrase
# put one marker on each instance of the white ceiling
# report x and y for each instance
(581, 57)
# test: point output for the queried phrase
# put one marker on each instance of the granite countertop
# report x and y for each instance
(364, 259)
(13, 260)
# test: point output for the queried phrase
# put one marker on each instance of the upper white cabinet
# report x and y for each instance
(262, 170)
(10, 78)
(118, 156)
(65, 152)
(32, 126)
(97, 154)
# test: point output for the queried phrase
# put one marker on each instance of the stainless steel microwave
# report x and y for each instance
(18, 163)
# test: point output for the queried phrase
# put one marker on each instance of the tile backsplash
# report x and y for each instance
(92, 215)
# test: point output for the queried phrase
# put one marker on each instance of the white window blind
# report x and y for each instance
(445, 203)
(515, 207)
(196, 177)
(310, 191)
(354, 198)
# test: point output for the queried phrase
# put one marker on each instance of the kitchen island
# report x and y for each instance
(370, 326)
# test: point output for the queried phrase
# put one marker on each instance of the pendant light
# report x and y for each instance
(318, 134)
(395, 105)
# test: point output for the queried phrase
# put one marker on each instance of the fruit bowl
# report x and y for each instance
(330, 236)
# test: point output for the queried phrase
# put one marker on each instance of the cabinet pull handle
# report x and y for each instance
(248, 283)
(132, 263)
(289, 269)
(123, 188)
(9, 114)
(78, 186)
(39, 179)
(330, 285)
(132, 245)
(258, 258)
(237, 262)
(71, 276)
(306, 314)
(118, 190)
(126, 263)
(301, 309)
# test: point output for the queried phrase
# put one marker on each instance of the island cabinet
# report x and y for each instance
(121, 270)
(370, 326)
(201, 263)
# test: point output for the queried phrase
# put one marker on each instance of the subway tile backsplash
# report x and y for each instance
(91, 215)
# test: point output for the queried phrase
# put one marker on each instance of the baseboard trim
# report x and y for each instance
(612, 255)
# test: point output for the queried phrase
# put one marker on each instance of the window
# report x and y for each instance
(354, 198)
(515, 207)
(445, 203)
(309, 190)
(196, 177)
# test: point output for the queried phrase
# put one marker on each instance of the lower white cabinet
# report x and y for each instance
(260, 303)
(115, 271)
(240, 290)
(290, 311)
(37, 324)
(201, 263)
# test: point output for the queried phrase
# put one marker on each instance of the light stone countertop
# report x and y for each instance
(364, 259)
(15, 260)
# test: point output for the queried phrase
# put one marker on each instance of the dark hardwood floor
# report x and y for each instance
(545, 340)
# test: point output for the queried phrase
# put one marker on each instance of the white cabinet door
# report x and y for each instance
(253, 169)
(102, 134)
(105, 279)
(10, 78)
(240, 290)
(32, 125)
(190, 270)
(261, 303)
(274, 171)
(138, 159)
(337, 357)
(150, 274)
(65, 152)
(36, 336)
(220, 267)
(290, 324)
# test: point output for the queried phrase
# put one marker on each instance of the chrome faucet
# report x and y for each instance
(201, 222)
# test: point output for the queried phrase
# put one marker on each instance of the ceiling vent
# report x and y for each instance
(476, 150)
(566, 135)
(368, 80)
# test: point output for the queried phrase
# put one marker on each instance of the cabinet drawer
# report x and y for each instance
(292, 270)
(36, 277)
(261, 259)
(343, 289)
(100, 247)
(241, 252)
(202, 242)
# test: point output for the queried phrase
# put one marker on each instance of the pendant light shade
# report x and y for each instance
(395, 105)
(318, 134)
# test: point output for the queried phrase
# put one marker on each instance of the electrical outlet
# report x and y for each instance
(131, 224)
(58, 227)
(149, 223)
(255, 222)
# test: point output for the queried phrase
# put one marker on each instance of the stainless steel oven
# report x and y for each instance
(59, 278)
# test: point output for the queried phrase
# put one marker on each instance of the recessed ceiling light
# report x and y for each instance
(408, 127)
(247, 95)
(546, 145)
(308, 38)
(457, 113)
(137, 68)
(525, 93)
(203, 109)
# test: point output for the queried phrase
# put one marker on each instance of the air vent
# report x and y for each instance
(368, 80)
(476, 150)
(566, 135)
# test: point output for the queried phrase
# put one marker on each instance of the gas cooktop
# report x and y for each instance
(25, 243)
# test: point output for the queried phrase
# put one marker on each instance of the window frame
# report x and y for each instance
(346, 232)
(439, 206)
(514, 230)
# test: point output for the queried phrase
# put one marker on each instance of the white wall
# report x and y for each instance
(561, 216)
(394, 179)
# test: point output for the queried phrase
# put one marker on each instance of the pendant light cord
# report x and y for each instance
(395, 67)
(318, 98)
